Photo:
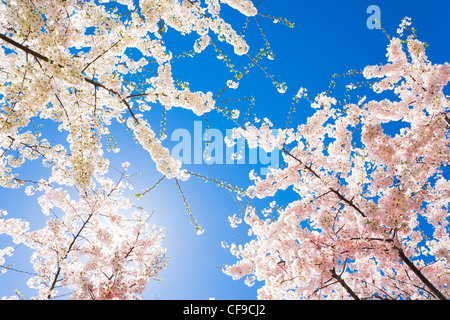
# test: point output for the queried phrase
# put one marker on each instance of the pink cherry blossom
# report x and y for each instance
(355, 231)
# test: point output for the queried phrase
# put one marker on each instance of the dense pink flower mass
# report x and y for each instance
(371, 221)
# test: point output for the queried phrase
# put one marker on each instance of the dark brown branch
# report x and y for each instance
(64, 109)
(55, 279)
(24, 48)
(301, 162)
(447, 119)
(9, 147)
(97, 84)
(344, 284)
(373, 239)
(340, 196)
(325, 286)
(349, 202)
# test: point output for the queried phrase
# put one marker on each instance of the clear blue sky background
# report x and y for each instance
(329, 37)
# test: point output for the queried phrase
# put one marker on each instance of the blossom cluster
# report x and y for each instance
(79, 64)
(356, 230)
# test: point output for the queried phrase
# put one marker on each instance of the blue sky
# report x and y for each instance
(329, 37)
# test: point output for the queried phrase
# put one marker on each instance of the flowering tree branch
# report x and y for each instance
(390, 181)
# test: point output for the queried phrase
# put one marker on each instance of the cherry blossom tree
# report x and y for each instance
(84, 65)
(91, 247)
(372, 216)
